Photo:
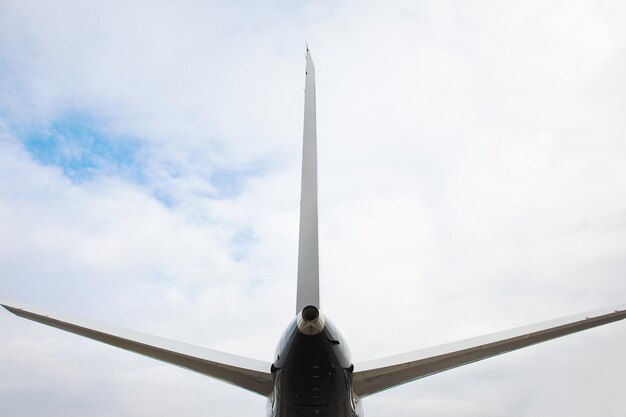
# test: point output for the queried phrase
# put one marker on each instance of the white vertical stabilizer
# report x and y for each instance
(308, 252)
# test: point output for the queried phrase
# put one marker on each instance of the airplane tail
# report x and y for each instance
(308, 249)
(369, 377)
(246, 373)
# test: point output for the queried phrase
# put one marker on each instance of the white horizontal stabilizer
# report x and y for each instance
(250, 374)
(377, 375)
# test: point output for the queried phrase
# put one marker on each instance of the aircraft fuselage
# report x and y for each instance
(312, 371)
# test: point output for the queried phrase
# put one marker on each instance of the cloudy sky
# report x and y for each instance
(472, 162)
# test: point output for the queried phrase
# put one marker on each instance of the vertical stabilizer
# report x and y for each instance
(308, 253)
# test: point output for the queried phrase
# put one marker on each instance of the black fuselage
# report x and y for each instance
(312, 373)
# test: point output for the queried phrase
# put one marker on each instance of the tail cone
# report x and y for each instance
(311, 321)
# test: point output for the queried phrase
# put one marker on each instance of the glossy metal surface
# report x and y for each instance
(313, 374)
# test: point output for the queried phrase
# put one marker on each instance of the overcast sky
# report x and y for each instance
(472, 160)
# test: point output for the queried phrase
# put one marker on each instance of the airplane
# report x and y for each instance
(312, 373)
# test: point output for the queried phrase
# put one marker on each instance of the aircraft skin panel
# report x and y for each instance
(251, 374)
(308, 249)
(313, 371)
(377, 375)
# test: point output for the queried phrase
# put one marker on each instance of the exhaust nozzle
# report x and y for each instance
(310, 321)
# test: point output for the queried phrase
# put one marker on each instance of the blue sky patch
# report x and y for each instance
(76, 145)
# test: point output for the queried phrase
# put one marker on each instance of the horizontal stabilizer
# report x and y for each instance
(377, 375)
(246, 373)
